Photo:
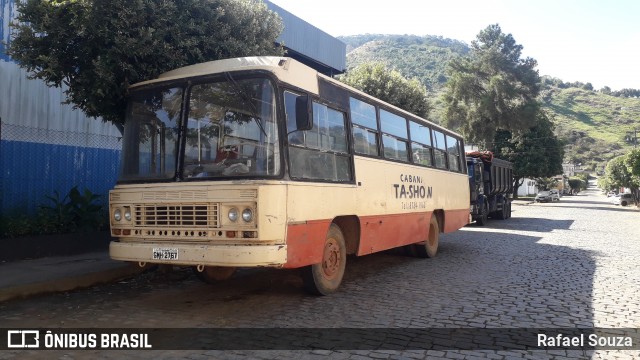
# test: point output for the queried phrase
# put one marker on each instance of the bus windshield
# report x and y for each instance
(229, 131)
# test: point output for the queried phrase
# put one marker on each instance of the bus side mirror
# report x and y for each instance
(303, 118)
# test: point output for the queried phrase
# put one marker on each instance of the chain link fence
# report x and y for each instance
(14, 132)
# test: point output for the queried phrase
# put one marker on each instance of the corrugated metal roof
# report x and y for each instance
(313, 44)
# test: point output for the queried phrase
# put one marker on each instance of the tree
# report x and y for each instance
(624, 171)
(376, 80)
(617, 173)
(576, 184)
(97, 48)
(491, 89)
(632, 162)
(604, 184)
(546, 183)
(537, 153)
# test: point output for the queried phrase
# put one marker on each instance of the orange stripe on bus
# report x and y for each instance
(389, 231)
(455, 219)
(377, 233)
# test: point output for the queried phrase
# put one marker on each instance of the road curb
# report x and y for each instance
(122, 271)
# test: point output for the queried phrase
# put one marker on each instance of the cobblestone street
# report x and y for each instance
(568, 264)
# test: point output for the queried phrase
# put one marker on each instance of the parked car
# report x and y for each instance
(623, 199)
(555, 194)
(547, 196)
(611, 193)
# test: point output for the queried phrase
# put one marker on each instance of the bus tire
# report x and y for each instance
(214, 274)
(429, 248)
(325, 278)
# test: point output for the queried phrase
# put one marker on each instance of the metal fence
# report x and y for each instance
(37, 162)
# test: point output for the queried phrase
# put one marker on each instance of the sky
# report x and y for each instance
(596, 41)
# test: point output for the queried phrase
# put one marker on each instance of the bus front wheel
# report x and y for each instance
(325, 278)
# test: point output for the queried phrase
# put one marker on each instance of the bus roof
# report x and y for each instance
(286, 69)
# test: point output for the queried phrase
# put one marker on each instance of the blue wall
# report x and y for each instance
(46, 146)
(31, 171)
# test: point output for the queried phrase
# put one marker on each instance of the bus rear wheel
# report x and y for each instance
(214, 274)
(325, 278)
(429, 248)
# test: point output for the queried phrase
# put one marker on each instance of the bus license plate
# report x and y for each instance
(165, 254)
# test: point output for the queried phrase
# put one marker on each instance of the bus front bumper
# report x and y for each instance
(200, 254)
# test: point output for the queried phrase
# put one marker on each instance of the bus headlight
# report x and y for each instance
(127, 213)
(247, 215)
(117, 215)
(233, 214)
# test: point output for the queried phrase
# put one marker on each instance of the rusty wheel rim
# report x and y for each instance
(331, 259)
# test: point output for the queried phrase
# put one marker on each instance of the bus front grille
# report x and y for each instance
(177, 216)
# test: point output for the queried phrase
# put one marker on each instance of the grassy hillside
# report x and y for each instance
(593, 124)
(422, 57)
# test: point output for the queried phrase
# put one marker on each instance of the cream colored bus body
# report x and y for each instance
(291, 218)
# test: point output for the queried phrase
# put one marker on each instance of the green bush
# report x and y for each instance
(16, 225)
(76, 211)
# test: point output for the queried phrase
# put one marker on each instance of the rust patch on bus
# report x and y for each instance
(305, 243)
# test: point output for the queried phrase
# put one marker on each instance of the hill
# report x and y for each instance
(594, 124)
(422, 57)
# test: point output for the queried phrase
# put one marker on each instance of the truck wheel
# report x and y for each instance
(484, 216)
(429, 247)
(214, 274)
(325, 278)
(509, 210)
(502, 213)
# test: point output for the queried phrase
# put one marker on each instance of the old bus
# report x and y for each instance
(262, 161)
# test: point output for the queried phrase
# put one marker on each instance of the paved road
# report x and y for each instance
(560, 265)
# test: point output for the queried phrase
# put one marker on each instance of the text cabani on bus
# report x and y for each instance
(262, 161)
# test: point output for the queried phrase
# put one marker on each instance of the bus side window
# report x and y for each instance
(323, 155)
(394, 136)
(453, 151)
(365, 127)
(420, 143)
(440, 155)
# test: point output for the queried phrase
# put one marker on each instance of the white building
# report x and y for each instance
(528, 187)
